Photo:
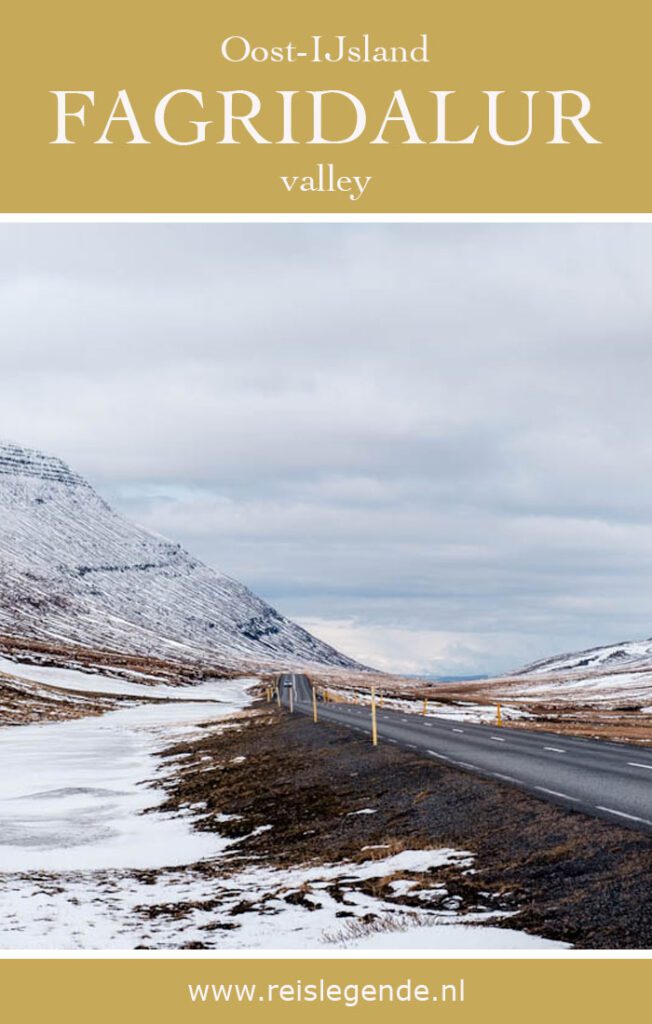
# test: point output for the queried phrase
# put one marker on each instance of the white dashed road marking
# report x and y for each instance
(553, 792)
(621, 814)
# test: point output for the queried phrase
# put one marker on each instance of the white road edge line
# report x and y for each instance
(553, 792)
(638, 764)
(434, 753)
(555, 750)
(621, 814)
(497, 739)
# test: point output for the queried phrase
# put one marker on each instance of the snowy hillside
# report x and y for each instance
(616, 676)
(73, 570)
(631, 654)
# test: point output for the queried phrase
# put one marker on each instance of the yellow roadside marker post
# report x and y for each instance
(374, 728)
(314, 704)
(380, 701)
(425, 706)
(278, 694)
(292, 699)
(499, 717)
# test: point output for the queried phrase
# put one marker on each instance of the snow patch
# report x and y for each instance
(457, 936)
(74, 795)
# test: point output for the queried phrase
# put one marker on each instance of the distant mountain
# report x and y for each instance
(74, 571)
(630, 654)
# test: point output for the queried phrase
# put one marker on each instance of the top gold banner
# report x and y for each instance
(294, 108)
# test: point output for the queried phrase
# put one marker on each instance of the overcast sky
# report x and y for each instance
(430, 444)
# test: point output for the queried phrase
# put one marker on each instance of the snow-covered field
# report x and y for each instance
(438, 936)
(249, 909)
(605, 690)
(93, 682)
(88, 862)
(72, 794)
(74, 798)
(83, 808)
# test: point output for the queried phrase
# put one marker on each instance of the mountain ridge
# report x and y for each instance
(634, 654)
(74, 570)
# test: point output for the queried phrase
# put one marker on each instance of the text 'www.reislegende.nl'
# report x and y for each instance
(349, 995)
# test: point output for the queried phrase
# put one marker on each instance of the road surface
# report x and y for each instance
(606, 780)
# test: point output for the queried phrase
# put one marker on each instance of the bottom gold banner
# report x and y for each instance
(180, 990)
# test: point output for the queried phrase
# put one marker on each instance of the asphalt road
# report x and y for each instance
(606, 780)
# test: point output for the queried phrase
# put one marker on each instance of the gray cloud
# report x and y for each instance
(432, 443)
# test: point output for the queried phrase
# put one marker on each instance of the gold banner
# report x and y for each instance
(178, 991)
(246, 107)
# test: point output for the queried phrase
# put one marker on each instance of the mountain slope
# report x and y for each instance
(73, 570)
(631, 654)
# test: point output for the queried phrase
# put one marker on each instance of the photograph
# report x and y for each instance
(325, 601)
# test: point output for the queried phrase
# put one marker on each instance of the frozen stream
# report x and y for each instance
(72, 793)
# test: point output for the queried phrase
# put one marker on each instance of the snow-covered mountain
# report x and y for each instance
(616, 676)
(630, 654)
(74, 571)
